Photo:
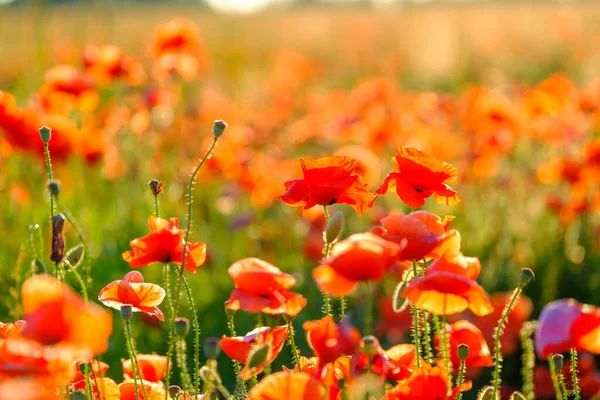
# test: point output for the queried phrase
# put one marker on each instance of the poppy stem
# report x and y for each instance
(100, 392)
(236, 365)
(461, 377)
(326, 297)
(182, 363)
(81, 283)
(171, 339)
(561, 380)
(343, 302)
(131, 350)
(368, 309)
(88, 383)
(295, 352)
(554, 375)
(528, 359)
(196, 327)
(156, 206)
(443, 332)
(427, 336)
(415, 328)
(574, 377)
(499, 330)
(49, 168)
(325, 212)
(253, 381)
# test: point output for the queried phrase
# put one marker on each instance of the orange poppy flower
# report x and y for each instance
(153, 367)
(449, 287)
(423, 234)
(179, 35)
(368, 163)
(464, 332)
(132, 290)
(288, 385)
(262, 287)
(360, 257)
(419, 176)
(328, 181)
(99, 368)
(127, 390)
(108, 63)
(427, 383)
(55, 314)
(395, 364)
(330, 341)
(328, 375)
(242, 348)
(65, 89)
(103, 389)
(564, 324)
(11, 329)
(165, 244)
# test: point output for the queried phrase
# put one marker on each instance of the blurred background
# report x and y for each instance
(507, 91)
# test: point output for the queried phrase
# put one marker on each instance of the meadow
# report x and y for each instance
(366, 189)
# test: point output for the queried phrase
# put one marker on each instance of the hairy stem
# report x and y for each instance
(528, 359)
(574, 378)
(415, 328)
(461, 377)
(295, 352)
(554, 376)
(236, 365)
(196, 327)
(130, 350)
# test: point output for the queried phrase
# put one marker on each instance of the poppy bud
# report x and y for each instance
(74, 256)
(370, 345)
(558, 361)
(219, 127)
(126, 312)
(486, 393)
(463, 351)
(182, 326)
(58, 241)
(229, 312)
(526, 276)
(156, 186)
(54, 187)
(258, 356)
(78, 395)
(517, 396)
(212, 348)
(173, 390)
(45, 134)
(335, 226)
(38, 267)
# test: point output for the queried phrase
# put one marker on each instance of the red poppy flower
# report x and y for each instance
(102, 388)
(423, 234)
(288, 385)
(328, 181)
(449, 287)
(242, 348)
(419, 176)
(179, 35)
(164, 244)
(262, 287)
(107, 63)
(11, 329)
(360, 257)
(99, 368)
(132, 290)
(395, 364)
(153, 367)
(330, 341)
(564, 324)
(464, 332)
(427, 383)
(127, 390)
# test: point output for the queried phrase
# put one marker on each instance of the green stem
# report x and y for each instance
(182, 364)
(563, 386)
(156, 206)
(444, 344)
(253, 381)
(295, 352)
(368, 309)
(497, 355)
(528, 359)
(415, 328)
(81, 283)
(461, 377)
(49, 167)
(574, 377)
(171, 339)
(88, 384)
(427, 336)
(343, 301)
(98, 391)
(196, 327)
(236, 365)
(325, 211)
(554, 378)
(326, 297)
(130, 350)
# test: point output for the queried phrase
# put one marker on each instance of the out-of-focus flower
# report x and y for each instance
(11, 329)
(419, 176)
(360, 257)
(153, 367)
(66, 89)
(289, 385)
(165, 244)
(427, 383)
(108, 63)
(329, 340)
(395, 364)
(464, 332)
(328, 181)
(262, 287)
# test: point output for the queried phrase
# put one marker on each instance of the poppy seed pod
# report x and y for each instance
(219, 127)
(526, 276)
(259, 356)
(126, 312)
(334, 229)
(212, 348)
(182, 326)
(173, 390)
(45, 134)
(370, 345)
(558, 361)
(54, 187)
(156, 186)
(463, 351)
(58, 241)
(78, 395)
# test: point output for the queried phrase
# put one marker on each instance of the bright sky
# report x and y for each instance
(241, 6)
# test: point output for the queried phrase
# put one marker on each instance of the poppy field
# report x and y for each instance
(302, 206)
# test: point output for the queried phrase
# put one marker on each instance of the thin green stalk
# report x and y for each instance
(343, 305)
(444, 343)
(415, 328)
(295, 352)
(554, 379)
(130, 350)
(49, 168)
(88, 384)
(461, 377)
(81, 283)
(563, 386)
(253, 381)
(427, 336)
(574, 378)
(156, 206)
(325, 211)
(196, 327)
(368, 309)
(182, 364)
(98, 391)
(326, 297)
(499, 329)
(528, 359)
(171, 339)
(236, 365)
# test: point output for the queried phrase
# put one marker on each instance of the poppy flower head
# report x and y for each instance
(132, 290)
(330, 341)
(449, 287)
(464, 332)
(328, 181)
(423, 234)
(165, 244)
(394, 364)
(153, 367)
(262, 287)
(426, 383)
(99, 369)
(289, 385)
(419, 176)
(241, 348)
(360, 257)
